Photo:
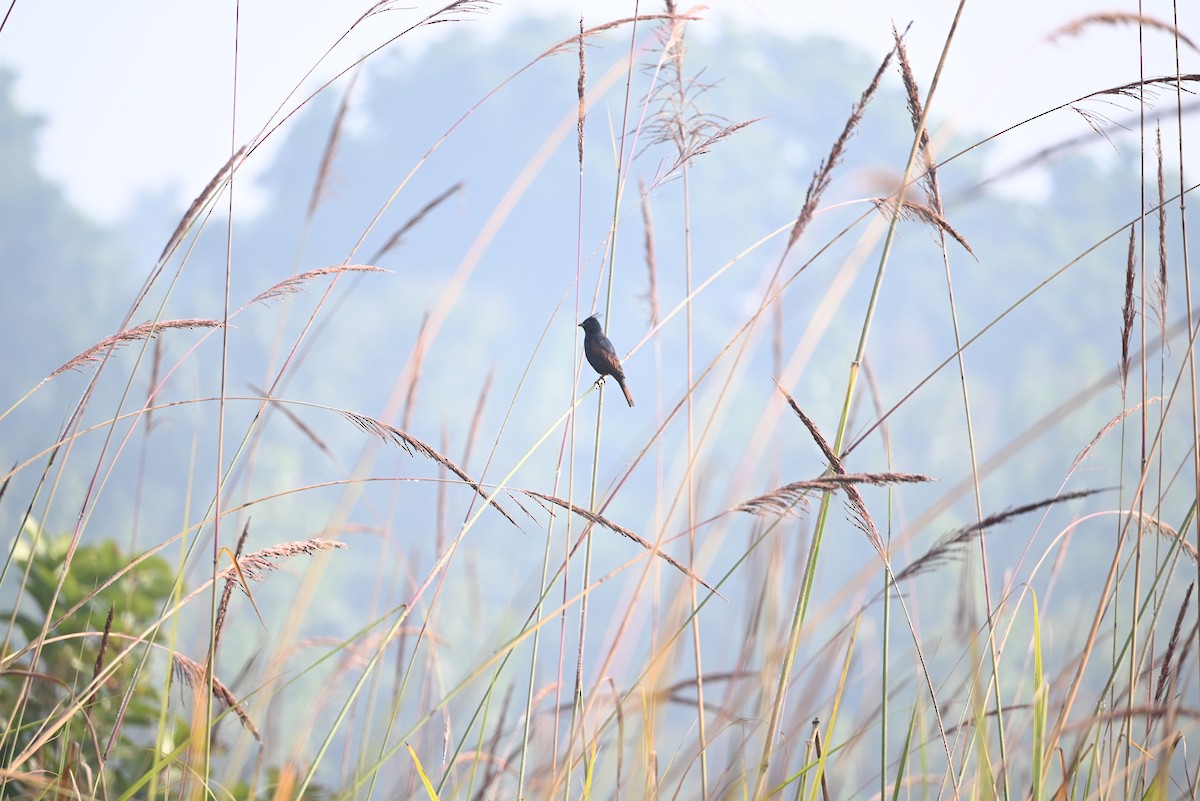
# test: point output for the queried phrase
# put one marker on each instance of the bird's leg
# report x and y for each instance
(600, 381)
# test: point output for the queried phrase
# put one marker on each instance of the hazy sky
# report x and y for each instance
(135, 94)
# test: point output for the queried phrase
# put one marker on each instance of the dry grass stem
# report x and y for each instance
(1131, 90)
(152, 386)
(414, 381)
(785, 499)
(193, 675)
(914, 210)
(1077, 26)
(604, 522)
(953, 544)
(821, 178)
(395, 239)
(135, 334)
(413, 446)
(1127, 309)
(295, 284)
(477, 417)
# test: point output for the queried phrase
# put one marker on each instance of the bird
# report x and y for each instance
(601, 355)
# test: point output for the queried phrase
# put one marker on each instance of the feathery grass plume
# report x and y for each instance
(193, 675)
(155, 371)
(915, 112)
(1045, 154)
(678, 119)
(1087, 449)
(294, 419)
(1167, 532)
(701, 146)
(785, 499)
(821, 178)
(1160, 287)
(1077, 26)
(413, 446)
(1127, 310)
(227, 590)
(1143, 91)
(325, 172)
(592, 517)
(698, 147)
(856, 505)
(1130, 90)
(1098, 123)
(135, 334)
(395, 239)
(99, 665)
(1186, 651)
(830, 457)
(257, 565)
(953, 544)
(562, 47)
(914, 210)
(933, 213)
(1165, 672)
(854, 499)
(206, 194)
(295, 284)
(580, 90)
(447, 13)
(651, 264)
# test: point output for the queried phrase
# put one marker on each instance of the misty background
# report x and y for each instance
(498, 275)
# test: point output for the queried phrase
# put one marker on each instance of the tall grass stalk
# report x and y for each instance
(801, 604)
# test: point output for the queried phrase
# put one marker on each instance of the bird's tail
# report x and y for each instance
(625, 389)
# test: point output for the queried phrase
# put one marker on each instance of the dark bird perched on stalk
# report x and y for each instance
(601, 355)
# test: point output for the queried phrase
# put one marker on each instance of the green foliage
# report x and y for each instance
(38, 694)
